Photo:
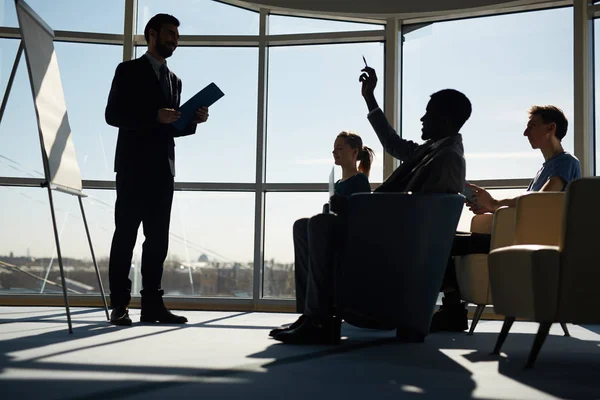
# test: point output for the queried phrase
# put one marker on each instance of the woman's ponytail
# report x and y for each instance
(365, 159)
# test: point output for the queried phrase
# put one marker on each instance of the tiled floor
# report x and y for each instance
(229, 355)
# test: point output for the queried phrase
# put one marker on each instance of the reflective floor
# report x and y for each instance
(229, 355)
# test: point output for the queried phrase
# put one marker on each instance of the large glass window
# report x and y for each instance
(20, 152)
(93, 139)
(504, 64)
(27, 246)
(71, 15)
(314, 94)
(279, 24)
(86, 73)
(230, 132)
(201, 17)
(210, 251)
(282, 210)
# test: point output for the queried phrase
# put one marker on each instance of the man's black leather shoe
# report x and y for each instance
(313, 331)
(154, 309)
(450, 318)
(162, 316)
(296, 324)
(120, 316)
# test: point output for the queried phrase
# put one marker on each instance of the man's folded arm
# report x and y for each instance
(391, 142)
(122, 109)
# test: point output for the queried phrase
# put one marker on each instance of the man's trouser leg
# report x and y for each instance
(464, 243)
(156, 220)
(324, 240)
(301, 262)
(128, 216)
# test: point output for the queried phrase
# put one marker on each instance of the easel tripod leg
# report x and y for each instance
(60, 261)
(87, 231)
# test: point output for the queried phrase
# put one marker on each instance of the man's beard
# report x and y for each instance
(163, 50)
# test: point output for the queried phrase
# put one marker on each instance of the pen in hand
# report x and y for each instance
(365, 61)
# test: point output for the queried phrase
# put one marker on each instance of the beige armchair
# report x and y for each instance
(555, 280)
(472, 271)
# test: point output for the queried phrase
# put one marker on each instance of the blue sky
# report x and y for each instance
(503, 64)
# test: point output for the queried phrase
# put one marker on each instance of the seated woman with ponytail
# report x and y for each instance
(319, 238)
(348, 149)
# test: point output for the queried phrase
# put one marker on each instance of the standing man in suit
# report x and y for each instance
(143, 102)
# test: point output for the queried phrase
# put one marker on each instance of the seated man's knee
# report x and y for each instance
(321, 223)
(301, 226)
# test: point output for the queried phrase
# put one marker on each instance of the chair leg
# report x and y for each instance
(541, 336)
(508, 321)
(565, 329)
(478, 312)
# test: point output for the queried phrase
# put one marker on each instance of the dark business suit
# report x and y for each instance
(144, 163)
(433, 167)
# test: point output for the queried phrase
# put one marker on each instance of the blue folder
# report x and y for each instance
(204, 98)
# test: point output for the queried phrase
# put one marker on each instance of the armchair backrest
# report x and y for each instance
(579, 297)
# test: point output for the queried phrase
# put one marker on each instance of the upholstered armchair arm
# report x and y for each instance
(503, 232)
(525, 281)
(539, 218)
(482, 223)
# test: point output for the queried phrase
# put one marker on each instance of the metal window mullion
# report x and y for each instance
(326, 38)
(208, 40)
(400, 82)
(230, 304)
(69, 36)
(261, 147)
(243, 187)
(87, 37)
(583, 74)
(274, 40)
(129, 29)
(408, 19)
(390, 91)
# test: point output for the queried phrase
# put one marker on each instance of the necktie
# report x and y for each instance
(165, 83)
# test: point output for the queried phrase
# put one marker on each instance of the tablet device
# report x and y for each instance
(468, 192)
(204, 98)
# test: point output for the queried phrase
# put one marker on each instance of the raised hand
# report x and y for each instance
(369, 81)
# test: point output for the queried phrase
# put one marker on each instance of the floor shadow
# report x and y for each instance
(566, 367)
(367, 364)
(324, 368)
(45, 317)
(90, 328)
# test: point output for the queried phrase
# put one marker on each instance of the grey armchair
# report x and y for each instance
(396, 255)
